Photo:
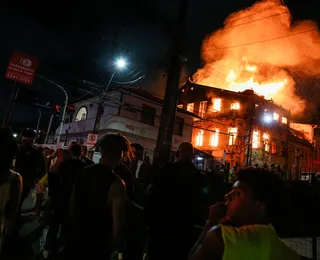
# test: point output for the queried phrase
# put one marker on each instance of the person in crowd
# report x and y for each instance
(10, 188)
(174, 199)
(240, 228)
(84, 155)
(31, 165)
(134, 231)
(124, 172)
(98, 203)
(146, 171)
(69, 169)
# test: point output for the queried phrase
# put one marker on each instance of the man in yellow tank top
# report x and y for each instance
(240, 228)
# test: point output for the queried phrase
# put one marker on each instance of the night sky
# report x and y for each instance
(77, 40)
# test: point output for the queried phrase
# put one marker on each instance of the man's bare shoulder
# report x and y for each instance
(117, 189)
(212, 247)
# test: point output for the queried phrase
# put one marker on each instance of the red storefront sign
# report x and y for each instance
(22, 68)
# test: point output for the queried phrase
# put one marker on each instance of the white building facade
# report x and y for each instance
(132, 111)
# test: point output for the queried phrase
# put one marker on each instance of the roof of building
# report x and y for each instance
(143, 93)
(245, 93)
(148, 95)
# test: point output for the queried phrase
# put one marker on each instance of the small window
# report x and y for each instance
(266, 144)
(232, 135)
(147, 115)
(235, 106)
(180, 106)
(214, 141)
(276, 116)
(217, 104)
(82, 114)
(255, 139)
(190, 107)
(202, 108)
(284, 120)
(199, 138)
(178, 126)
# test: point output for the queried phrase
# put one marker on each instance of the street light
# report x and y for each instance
(120, 64)
(15, 135)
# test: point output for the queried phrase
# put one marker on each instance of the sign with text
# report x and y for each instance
(92, 139)
(22, 68)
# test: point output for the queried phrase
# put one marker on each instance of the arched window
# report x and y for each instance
(82, 114)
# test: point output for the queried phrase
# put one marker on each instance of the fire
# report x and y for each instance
(268, 90)
(259, 48)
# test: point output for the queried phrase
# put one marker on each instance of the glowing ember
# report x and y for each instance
(258, 49)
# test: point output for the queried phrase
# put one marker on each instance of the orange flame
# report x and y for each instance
(255, 51)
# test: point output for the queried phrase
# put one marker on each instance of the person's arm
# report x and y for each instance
(212, 246)
(216, 216)
(117, 200)
(14, 202)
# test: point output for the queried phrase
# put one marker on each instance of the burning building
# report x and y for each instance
(245, 91)
(237, 128)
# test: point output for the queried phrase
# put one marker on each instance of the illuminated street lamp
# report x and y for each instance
(119, 64)
(15, 135)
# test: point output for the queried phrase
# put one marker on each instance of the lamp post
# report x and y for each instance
(65, 103)
(119, 65)
(39, 119)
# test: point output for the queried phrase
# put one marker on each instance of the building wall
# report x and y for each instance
(244, 111)
(124, 114)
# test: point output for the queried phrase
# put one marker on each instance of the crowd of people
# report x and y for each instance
(90, 211)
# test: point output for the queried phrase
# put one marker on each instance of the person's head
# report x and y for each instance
(28, 136)
(258, 196)
(84, 150)
(9, 148)
(75, 149)
(185, 152)
(70, 145)
(113, 147)
(46, 151)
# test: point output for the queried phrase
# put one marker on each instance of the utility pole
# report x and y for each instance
(100, 109)
(13, 97)
(65, 103)
(252, 113)
(169, 108)
(49, 128)
(248, 160)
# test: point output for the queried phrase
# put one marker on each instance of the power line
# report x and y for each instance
(266, 9)
(262, 41)
(253, 21)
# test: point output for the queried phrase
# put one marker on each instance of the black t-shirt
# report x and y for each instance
(176, 195)
(69, 171)
(93, 215)
(61, 181)
(30, 163)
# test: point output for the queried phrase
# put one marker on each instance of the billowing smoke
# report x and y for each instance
(258, 48)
